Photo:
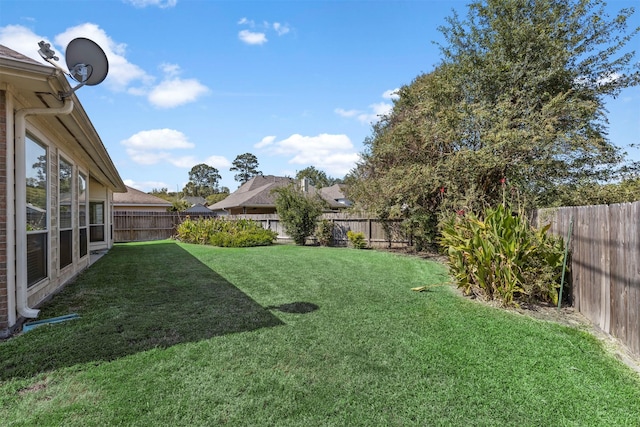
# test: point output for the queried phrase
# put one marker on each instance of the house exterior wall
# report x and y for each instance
(58, 146)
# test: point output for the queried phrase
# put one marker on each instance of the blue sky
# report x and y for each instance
(297, 84)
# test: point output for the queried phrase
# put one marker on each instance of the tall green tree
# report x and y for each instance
(316, 177)
(247, 167)
(517, 104)
(203, 181)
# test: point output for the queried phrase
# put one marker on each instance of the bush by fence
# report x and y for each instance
(136, 226)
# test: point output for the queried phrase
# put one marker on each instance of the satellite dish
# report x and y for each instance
(86, 62)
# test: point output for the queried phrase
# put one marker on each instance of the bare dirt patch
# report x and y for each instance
(40, 385)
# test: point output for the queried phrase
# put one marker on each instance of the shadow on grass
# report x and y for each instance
(136, 298)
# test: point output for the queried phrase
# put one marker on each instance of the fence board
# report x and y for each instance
(605, 265)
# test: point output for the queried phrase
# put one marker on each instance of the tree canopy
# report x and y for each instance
(247, 167)
(517, 104)
(203, 181)
(316, 177)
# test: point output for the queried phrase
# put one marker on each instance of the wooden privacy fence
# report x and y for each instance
(140, 226)
(373, 229)
(136, 226)
(605, 265)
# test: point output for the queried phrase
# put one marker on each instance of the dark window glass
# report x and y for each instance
(36, 258)
(83, 241)
(96, 233)
(66, 248)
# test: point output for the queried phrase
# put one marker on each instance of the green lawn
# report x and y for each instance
(174, 334)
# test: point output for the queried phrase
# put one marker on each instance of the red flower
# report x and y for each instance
(460, 212)
(441, 190)
(503, 180)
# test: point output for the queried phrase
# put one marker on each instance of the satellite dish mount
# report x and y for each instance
(86, 62)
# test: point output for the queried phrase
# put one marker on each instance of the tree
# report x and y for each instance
(297, 211)
(178, 206)
(247, 167)
(517, 104)
(217, 197)
(203, 181)
(317, 178)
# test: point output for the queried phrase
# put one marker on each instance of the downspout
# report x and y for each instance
(22, 305)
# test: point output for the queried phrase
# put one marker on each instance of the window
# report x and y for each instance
(36, 168)
(96, 221)
(82, 214)
(65, 212)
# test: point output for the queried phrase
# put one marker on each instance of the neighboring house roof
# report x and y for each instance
(254, 193)
(257, 193)
(39, 86)
(135, 197)
(198, 208)
(336, 193)
(194, 200)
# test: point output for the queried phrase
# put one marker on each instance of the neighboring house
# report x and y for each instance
(56, 187)
(255, 196)
(199, 209)
(195, 200)
(136, 200)
(336, 193)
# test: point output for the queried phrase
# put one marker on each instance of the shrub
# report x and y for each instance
(356, 239)
(297, 211)
(502, 257)
(324, 232)
(223, 232)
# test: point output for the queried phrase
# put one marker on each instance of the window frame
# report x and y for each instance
(93, 224)
(37, 240)
(83, 208)
(65, 229)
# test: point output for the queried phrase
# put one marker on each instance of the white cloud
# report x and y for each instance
(259, 37)
(170, 70)
(167, 139)
(162, 4)
(145, 185)
(391, 94)
(266, 141)
(377, 110)
(347, 113)
(150, 147)
(280, 28)
(23, 40)
(374, 112)
(174, 92)
(250, 37)
(218, 162)
(332, 153)
(187, 162)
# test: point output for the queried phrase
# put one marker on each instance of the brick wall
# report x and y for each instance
(4, 319)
